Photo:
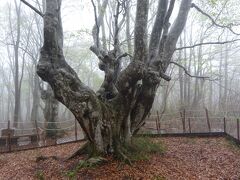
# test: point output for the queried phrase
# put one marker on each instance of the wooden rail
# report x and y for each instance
(210, 134)
(185, 126)
(9, 141)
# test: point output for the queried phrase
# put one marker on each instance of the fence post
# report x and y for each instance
(8, 137)
(36, 126)
(183, 115)
(238, 129)
(224, 124)
(189, 125)
(75, 129)
(9, 142)
(208, 121)
(158, 123)
(8, 125)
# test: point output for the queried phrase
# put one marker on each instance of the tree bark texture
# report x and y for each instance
(117, 111)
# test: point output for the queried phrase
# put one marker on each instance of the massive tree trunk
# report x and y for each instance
(111, 116)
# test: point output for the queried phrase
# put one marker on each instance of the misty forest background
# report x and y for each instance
(24, 98)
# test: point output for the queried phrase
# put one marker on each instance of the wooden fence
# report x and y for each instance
(12, 139)
(181, 123)
(192, 122)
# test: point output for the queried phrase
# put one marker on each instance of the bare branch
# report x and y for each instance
(175, 32)
(157, 29)
(33, 8)
(186, 71)
(169, 12)
(123, 55)
(97, 52)
(166, 27)
(116, 28)
(98, 21)
(207, 43)
(140, 31)
(96, 24)
(213, 21)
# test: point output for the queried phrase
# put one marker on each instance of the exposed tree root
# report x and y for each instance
(82, 150)
(43, 158)
(123, 157)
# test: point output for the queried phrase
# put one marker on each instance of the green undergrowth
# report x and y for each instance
(89, 163)
(39, 175)
(158, 178)
(233, 145)
(142, 148)
(190, 140)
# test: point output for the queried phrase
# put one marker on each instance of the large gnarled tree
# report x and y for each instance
(112, 115)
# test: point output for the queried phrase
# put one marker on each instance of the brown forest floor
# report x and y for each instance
(185, 158)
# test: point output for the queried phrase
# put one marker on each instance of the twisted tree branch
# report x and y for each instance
(33, 8)
(213, 21)
(207, 43)
(186, 71)
(96, 27)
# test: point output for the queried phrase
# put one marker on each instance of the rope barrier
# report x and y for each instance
(59, 122)
(168, 114)
(41, 122)
(172, 119)
(22, 122)
(194, 111)
(163, 117)
(57, 129)
(24, 129)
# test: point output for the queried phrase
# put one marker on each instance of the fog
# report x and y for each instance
(207, 78)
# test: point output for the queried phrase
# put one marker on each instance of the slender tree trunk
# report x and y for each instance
(16, 61)
(189, 67)
(210, 98)
(180, 71)
(50, 112)
(36, 99)
(220, 80)
(225, 94)
(128, 33)
(185, 65)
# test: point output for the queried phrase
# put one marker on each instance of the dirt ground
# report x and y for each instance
(185, 158)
